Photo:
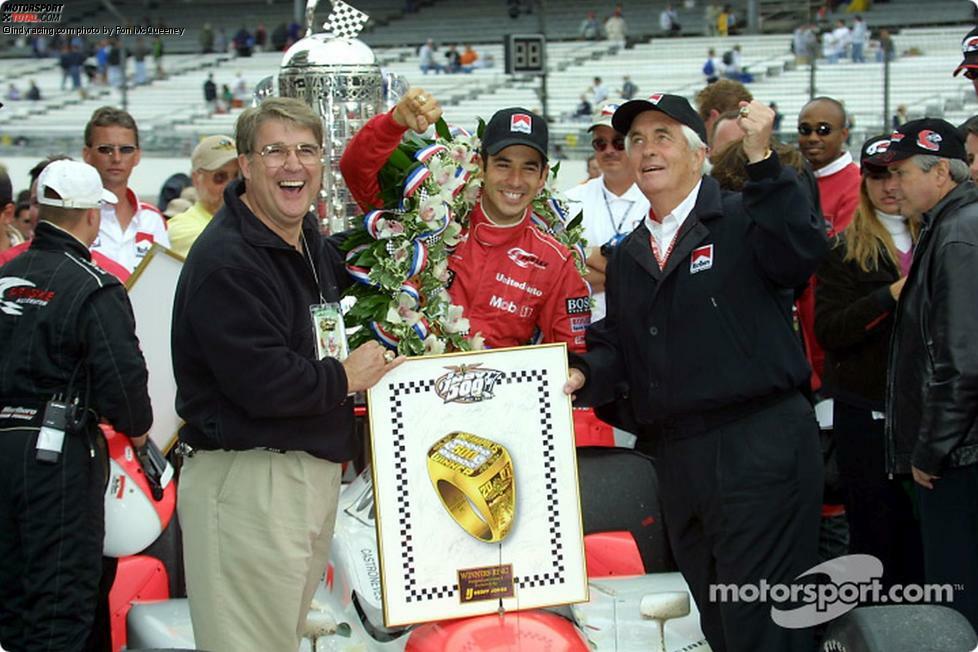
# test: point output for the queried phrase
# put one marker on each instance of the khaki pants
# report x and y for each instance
(256, 532)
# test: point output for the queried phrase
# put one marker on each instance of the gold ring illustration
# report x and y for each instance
(474, 479)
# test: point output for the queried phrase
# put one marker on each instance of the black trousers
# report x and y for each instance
(949, 526)
(880, 510)
(742, 503)
(51, 531)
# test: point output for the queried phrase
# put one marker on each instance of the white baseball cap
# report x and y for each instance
(78, 185)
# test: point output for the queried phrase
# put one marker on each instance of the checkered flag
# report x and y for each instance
(345, 21)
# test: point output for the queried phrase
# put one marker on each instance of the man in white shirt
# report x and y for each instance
(841, 37)
(612, 204)
(615, 28)
(130, 227)
(859, 36)
(599, 92)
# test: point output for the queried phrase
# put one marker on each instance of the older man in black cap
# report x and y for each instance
(697, 355)
(932, 393)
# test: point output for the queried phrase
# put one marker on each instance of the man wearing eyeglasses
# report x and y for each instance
(215, 164)
(130, 227)
(266, 403)
(612, 204)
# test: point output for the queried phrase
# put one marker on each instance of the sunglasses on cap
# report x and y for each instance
(600, 144)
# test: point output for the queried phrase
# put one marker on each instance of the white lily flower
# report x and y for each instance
(433, 345)
(393, 316)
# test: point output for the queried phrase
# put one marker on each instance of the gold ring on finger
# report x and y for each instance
(389, 356)
(744, 111)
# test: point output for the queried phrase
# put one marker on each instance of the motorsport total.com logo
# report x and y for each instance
(30, 12)
(829, 590)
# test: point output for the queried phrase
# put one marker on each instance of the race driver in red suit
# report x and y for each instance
(517, 284)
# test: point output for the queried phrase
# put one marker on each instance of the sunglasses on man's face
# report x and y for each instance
(221, 177)
(822, 129)
(109, 150)
(600, 144)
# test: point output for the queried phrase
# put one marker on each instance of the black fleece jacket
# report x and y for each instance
(243, 350)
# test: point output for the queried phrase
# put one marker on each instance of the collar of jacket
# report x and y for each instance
(493, 235)
(708, 206)
(51, 237)
(963, 193)
(253, 230)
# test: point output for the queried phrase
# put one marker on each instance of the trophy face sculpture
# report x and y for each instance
(338, 76)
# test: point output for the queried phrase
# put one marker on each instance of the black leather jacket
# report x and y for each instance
(932, 391)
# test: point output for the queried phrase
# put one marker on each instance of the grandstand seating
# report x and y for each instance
(172, 114)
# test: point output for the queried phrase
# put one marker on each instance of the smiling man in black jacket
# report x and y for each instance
(932, 391)
(264, 388)
(698, 351)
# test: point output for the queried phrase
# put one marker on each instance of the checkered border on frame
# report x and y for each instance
(414, 593)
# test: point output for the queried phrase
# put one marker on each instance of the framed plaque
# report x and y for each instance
(152, 287)
(475, 481)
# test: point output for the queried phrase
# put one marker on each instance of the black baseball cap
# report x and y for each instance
(927, 136)
(969, 48)
(515, 126)
(872, 147)
(674, 106)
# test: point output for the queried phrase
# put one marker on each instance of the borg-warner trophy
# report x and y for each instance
(338, 76)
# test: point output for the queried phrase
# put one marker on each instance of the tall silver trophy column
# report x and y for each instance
(337, 75)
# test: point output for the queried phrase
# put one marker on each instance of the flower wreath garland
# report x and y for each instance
(398, 255)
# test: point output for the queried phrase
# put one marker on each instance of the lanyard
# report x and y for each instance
(611, 216)
(659, 258)
(307, 255)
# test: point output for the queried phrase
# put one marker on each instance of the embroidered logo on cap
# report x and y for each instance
(970, 45)
(521, 122)
(701, 259)
(929, 140)
(878, 147)
(655, 97)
